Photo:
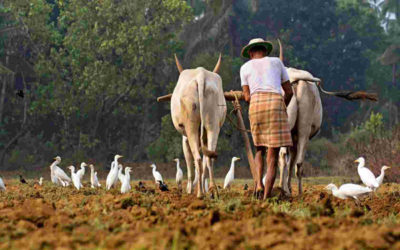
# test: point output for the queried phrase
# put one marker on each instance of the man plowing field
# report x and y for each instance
(262, 80)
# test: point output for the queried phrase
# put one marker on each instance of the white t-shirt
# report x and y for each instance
(264, 75)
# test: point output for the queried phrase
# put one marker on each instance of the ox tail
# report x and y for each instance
(201, 85)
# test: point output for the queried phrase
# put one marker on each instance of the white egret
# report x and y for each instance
(61, 182)
(379, 179)
(230, 176)
(81, 171)
(112, 176)
(121, 176)
(126, 186)
(157, 176)
(367, 177)
(2, 186)
(41, 181)
(76, 180)
(348, 190)
(93, 177)
(179, 173)
(96, 180)
(58, 176)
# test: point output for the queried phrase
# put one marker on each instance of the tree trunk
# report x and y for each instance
(394, 74)
(2, 95)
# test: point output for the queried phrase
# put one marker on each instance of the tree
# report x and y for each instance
(98, 66)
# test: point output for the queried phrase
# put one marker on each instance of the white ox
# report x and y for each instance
(198, 111)
(305, 119)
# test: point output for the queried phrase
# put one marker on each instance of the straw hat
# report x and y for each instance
(256, 42)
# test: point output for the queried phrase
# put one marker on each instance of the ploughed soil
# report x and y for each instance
(47, 216)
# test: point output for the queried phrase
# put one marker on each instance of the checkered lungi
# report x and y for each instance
(269, 120)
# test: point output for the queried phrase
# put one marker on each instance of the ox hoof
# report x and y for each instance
(213, 190)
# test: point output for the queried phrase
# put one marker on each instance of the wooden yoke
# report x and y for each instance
(229, 96)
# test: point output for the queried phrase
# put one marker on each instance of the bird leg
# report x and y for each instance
(357, 201)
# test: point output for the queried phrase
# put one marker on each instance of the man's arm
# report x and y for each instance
(246, 93)
(287, 87)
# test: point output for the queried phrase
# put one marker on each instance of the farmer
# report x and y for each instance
(262, 80)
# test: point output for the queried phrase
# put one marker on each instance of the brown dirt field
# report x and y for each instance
(33, 217)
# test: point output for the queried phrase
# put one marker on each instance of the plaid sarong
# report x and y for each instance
(269, 120)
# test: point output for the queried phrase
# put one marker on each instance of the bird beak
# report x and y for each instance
(239, 159)
(356, 161)
(389, 167)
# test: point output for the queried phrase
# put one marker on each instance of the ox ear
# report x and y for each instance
(216, 69)
(178, 64)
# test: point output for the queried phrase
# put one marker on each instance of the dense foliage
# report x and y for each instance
(89, 71)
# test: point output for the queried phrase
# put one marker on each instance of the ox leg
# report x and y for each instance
(189, 163)
(194, 147)
(203, 176)
(283, 170)
(292, 158)
(301, 149)
(212, 140)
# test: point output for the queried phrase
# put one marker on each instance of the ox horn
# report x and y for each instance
(280, 50)
(217, 66)
(178, 64)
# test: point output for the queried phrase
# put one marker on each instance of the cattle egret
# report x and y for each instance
(2, 186)
(112, 176)
(179, 174)
(96, 180)
(76, 180)
(367, 177)
(41, 181)
(206, 185)
(230, 176)
(162, 186)
(379, 179)
(126, 186)
(58, 176)
(121, 176)
(93, 177)
(22, 180)
(348, 191)
(81, 172)
(157, 176)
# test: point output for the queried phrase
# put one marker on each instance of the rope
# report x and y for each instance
(236, 107)
(234, 124)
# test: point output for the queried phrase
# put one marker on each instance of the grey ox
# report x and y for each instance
(198, 111)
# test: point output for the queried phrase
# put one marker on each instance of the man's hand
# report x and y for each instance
(287, 87)
(246, 93)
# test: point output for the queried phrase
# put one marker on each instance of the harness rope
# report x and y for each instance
(236, 108)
